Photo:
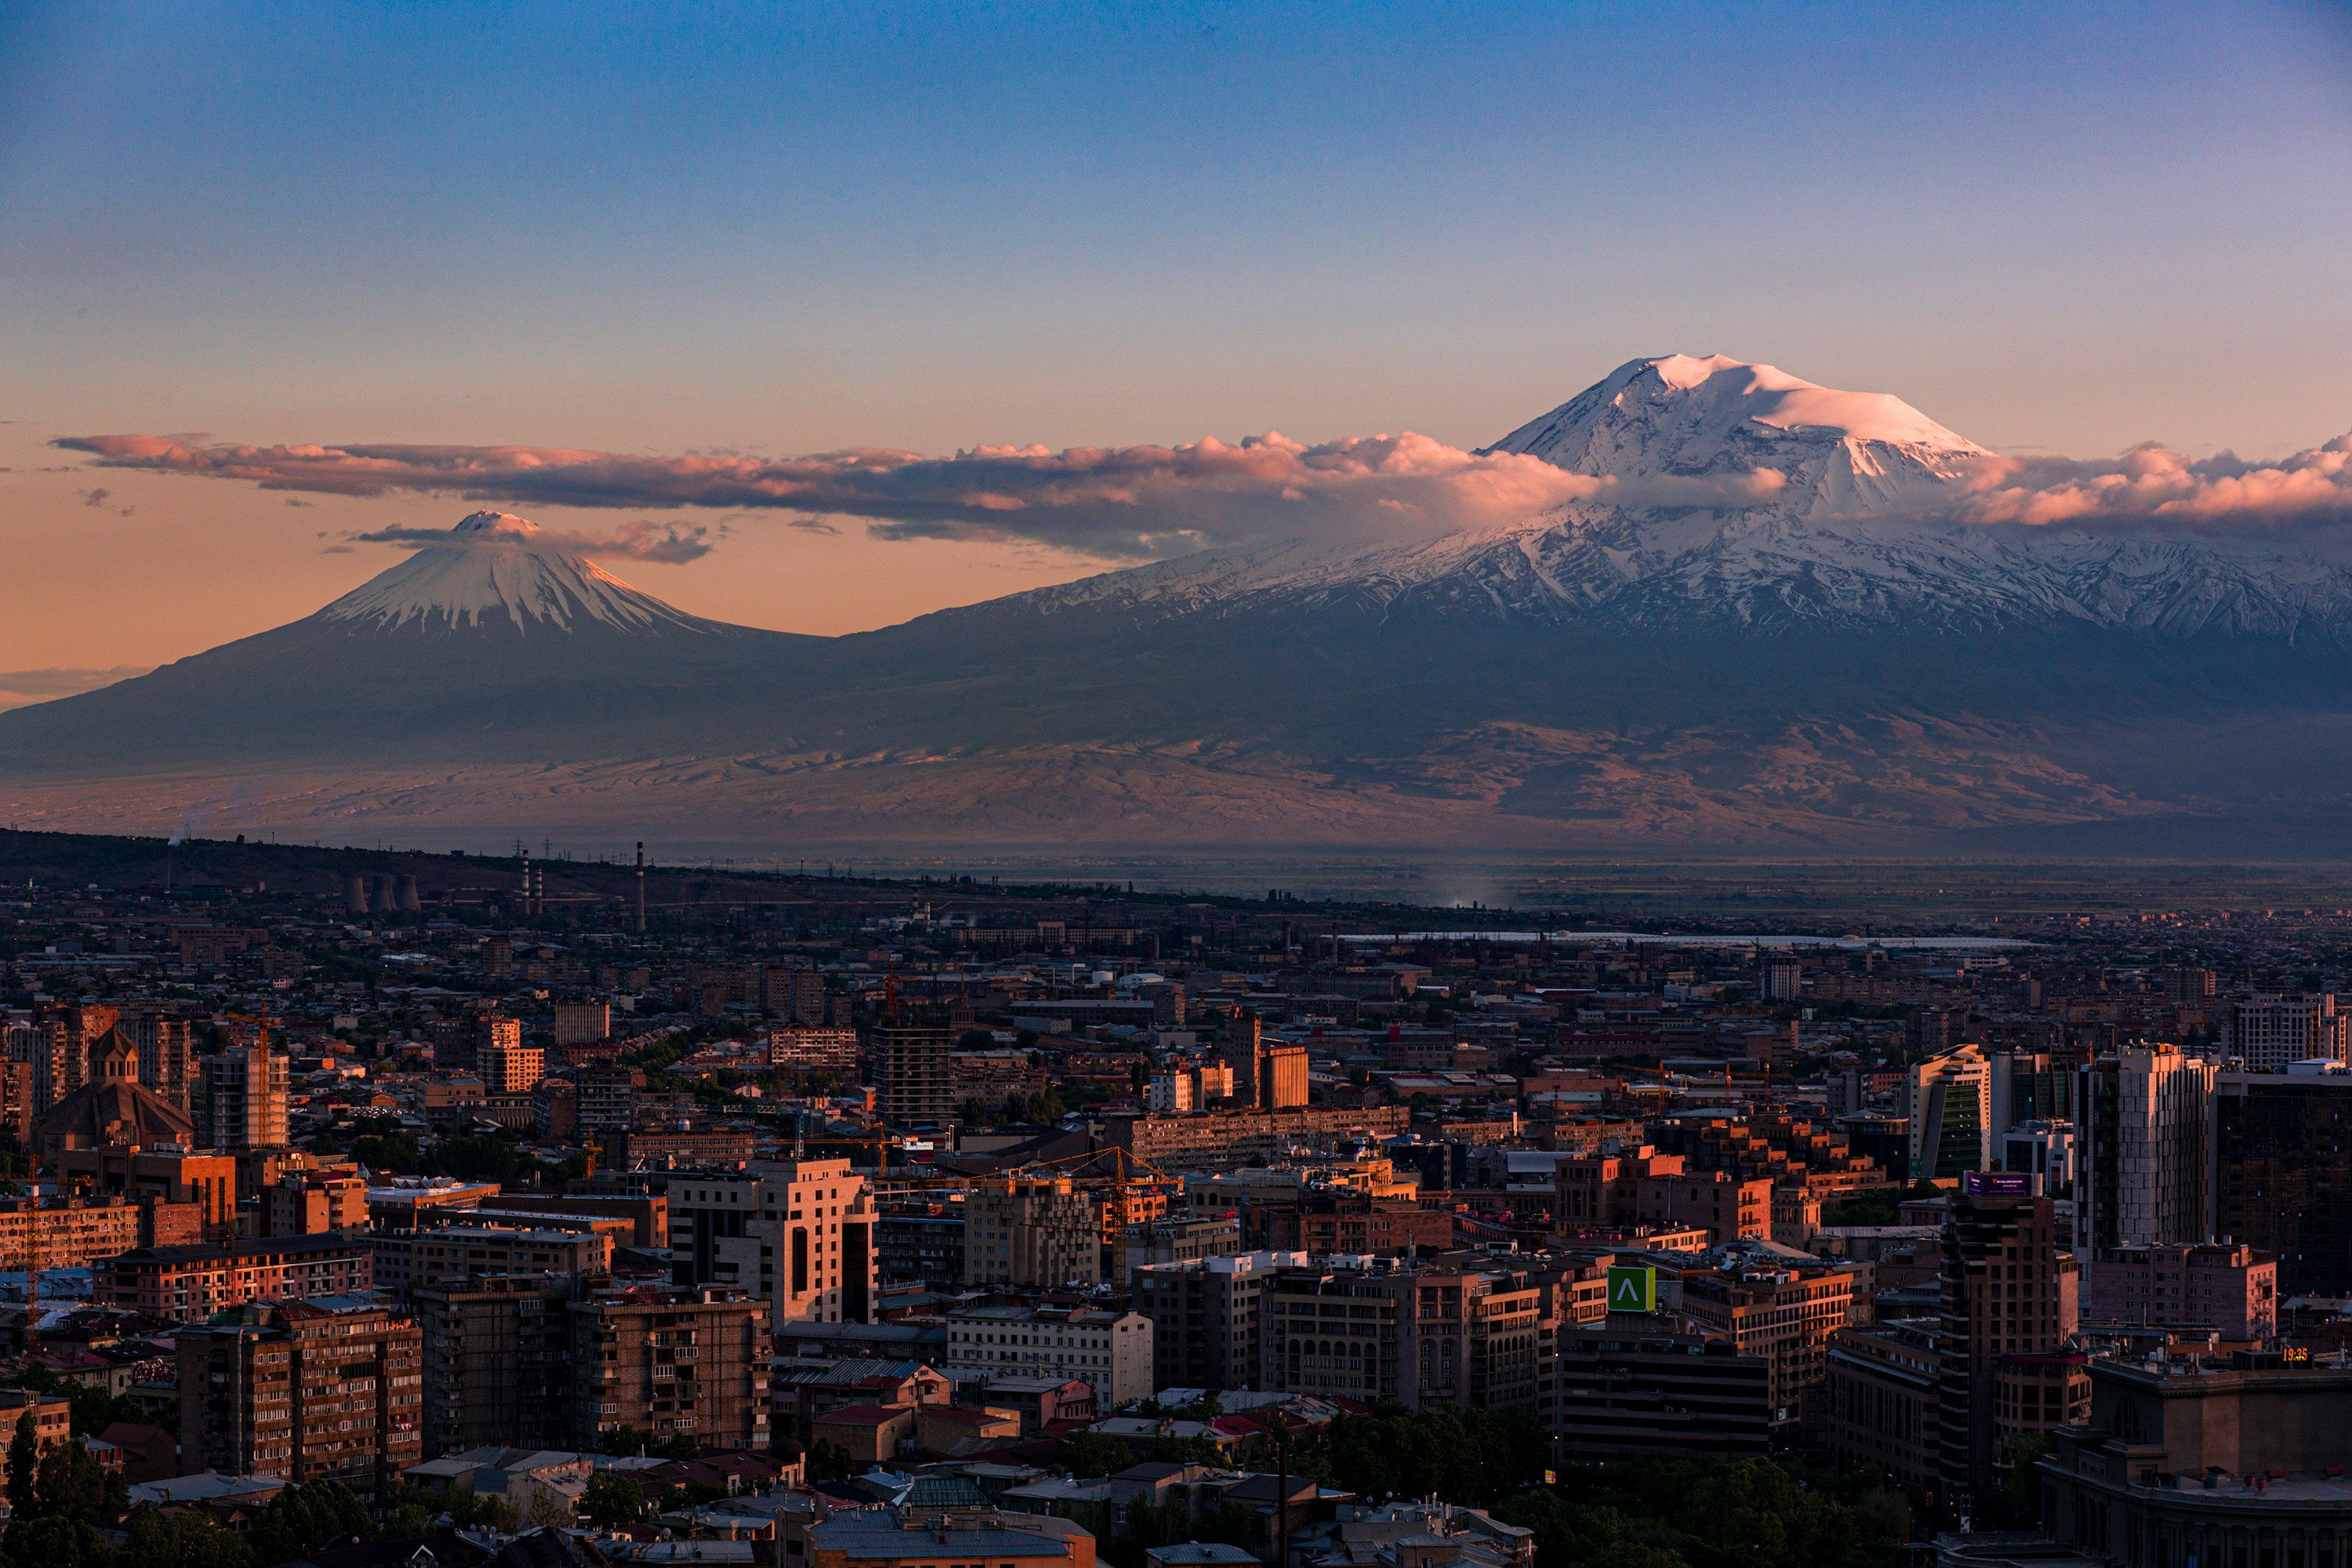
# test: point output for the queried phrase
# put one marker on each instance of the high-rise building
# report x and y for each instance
(1437, 1338)
(1207, 1325)
(1779, 978)
(305, 1391)
(800, 1234)
(796, 995)
(579, 1023)
(914, 1071)
(243, 1099)
(2141, 1150)
(511, 1070)
(2030, 1086)
(166, 1057)
(1948, 1099)
(679, 1364)
(1036, 1233)
(2009, 1301)
(2270, 1031)
(497, 1362)
(2282, 1171)
(1265, 1077)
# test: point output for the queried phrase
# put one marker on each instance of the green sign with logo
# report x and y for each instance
(1632, 1290)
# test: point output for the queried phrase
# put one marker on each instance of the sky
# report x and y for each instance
(770, 231)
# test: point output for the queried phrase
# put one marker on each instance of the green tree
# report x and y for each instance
(612, 1499)
(52, 1541)
(184, 1540)
(70, 1483)
(24, 1458)
(1086, 1453)
(300, 1520)
(831, 1462)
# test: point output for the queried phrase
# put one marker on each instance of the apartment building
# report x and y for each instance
(1880, 1401)
(71, 1234)
(1109, 1351)
(607, 1099)
(1629, 1389)
(799, 1234)
(2270, 1032)
(2281, 1168)
(188, 1284)
(241, 1103)
(914, 1072)
(497, 1364)
(1644, 1187)
(454, 1254)
(811, 1048)
(797, 995)
(1221, 1140)
(511, 1070)
(687, 1363)
(2225, 1286)
(163, 1175)
(1207, 1317)
(582, 1023)
(1037, 1232)
(2142, 1148)
(311, 1202)
(305, 1390)
(2009, 1305)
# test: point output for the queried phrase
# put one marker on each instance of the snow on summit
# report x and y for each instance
(496, 570)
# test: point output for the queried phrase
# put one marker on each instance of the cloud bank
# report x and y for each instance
(22, 687)
(1122, 501)
(671, 544)
(1131, 503)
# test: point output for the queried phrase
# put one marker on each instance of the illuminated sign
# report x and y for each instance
(1999, 1184)
(1632, 1290)
(2296, 1356)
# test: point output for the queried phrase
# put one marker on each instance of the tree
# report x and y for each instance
(186, 1541)
(300, 1520)
(70, 1483)
(1084, 1454)
(831, 1462)
(53, 1542)
(612, 1499)
(24, 1458)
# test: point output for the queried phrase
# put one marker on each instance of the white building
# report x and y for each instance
(798, 1232)
(2272, 1031)
(2142, 1150)
(1111, 1351)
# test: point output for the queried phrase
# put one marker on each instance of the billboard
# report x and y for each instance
(1632, 1290)
(1997, 1184)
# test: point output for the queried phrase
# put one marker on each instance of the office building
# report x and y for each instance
(1948, 1100)
(1036, 1233)
(2268, 1032)
(1429, 1338)
(1109, 1351)
(1207, 1317)
(2142, 1149)
(1784, 1313)
(2009, 1304)
(2030, 1086)
(497, 1362)
(241, 1101)
(2226, 1463)
(2044, 1152)
(1882, 1401)
(304, 1391)
(1632, 1386)
(798, 1233)
(2282, 1171)
(676, 1364)
(914, 1071)
(2225, 1286)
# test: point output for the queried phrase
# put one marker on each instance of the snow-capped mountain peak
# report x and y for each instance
(494, 570)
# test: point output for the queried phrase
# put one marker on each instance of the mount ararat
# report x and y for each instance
(1780, 619)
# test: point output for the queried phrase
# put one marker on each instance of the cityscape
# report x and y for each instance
(1502, 783)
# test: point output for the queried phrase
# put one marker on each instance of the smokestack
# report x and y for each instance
(526, 878)
(355, 895)
(641, 887)
(405, 892)
(380, 894)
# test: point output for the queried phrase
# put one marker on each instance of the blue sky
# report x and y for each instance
(785, 230)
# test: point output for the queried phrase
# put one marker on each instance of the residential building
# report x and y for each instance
(187, 1284)
(883, 1538)
(1207, 1317)
(52, 1416)
(2270, 1032)
(2282, 1171)
(811, 1048)
(914, 1075)
(73, 1233)
(511, 1070)
(309, 1203)
(1030, 1233)
(1948, 1099)
(2009, 1305)
(1109, 1351)
(1222, 1141)
(2226, 1286)
(580, 1023)
(607, 1099)
(497, 1362)
(1644, 1187)
(921, 1243)
(795, 993)
(1632, 1387)
(454, 1254)
(2142, 1135)
(800, 1234)
(242, 1099)
(1882, 1401)
(329, 1389)
(686, 1364)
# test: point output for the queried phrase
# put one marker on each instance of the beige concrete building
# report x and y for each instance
(305, 1390)
(800, 1234)
(688, 1363)
(1030, 1233)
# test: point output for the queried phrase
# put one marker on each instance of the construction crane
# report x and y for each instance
(1124, 1182)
